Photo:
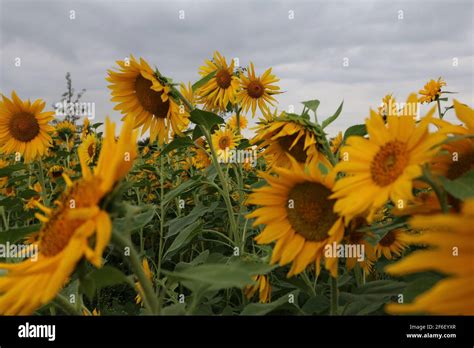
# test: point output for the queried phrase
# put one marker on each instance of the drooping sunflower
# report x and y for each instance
(431, 91)
(283, 138)
(393, 243)
(24, 127)
(383, 167)
(222, 88)
(450, 240)
(298, 214)
(138, 286)
(200, 159)
(257, 91)
(355, 237)
(232, 123)
(458, 158)
(68, 229)
(88, 148)
(224, 140)
(86, 128)
(141, 95)
(262, 286)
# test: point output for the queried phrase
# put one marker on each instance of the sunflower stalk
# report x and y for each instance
(220, 173)
(149, 297)
(334, 296)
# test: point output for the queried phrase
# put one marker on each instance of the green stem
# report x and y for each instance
(334, 296)
(42, 183)
(62, 303)
(439, 109)
(438, 191)
(225, 187)
(150, 300)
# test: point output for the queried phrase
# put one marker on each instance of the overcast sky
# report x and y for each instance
(386, 54)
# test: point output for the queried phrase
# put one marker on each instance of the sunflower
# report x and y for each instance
(388, 106)
(86, 128)
(65, 130)
(232, 123)
(383, 166)
(450, 238)
(149, 275)
(200, 158)
(224, 140)
(24, 127)
(222, 88)
(188, 93)
(298, 214)
(68, 229)
(284, 138)
(88, 148)
(458, 158)
(31, 203)
(431, 91)
(393, 243)
(141, 95)
(262, 286)
(355, 237)
(336, 142)
(56, 171)
(257, 91)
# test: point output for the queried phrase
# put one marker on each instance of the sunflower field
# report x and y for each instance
(180, 209)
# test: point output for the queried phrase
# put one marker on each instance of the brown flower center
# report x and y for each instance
(24, 127)
(389, 163)
(224, 142)
(149, 99)
(460, 167)
(255, 89)
(57, 232)
(297, 151)
(91, 150)
(223, 78)
(388, 239)
(310, 211)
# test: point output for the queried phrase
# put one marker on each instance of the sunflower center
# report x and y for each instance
(223, 78)
(389, 163)
(388, 239)
(57, 232)
(149, 99)
(91, 150)
(464, 164)
(224, 142)
(255, 89)
(310, 211)
(24, 126)
(296, 151)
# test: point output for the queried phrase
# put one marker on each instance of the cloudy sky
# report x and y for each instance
(391, 46)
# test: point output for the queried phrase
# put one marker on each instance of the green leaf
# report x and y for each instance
(358, 130)
(332, 118)
(205, 118)
(177, 143)
(316, 305)
(461, 188)
(133, 221)
(203, 81)
(175, 192)
(177, 224)
(197, 133)
(265, 308)
(183, 238)
(6, 171)
(13, 235)
(312, 105)
(217, 276)
(380, 288)
(101, 278)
